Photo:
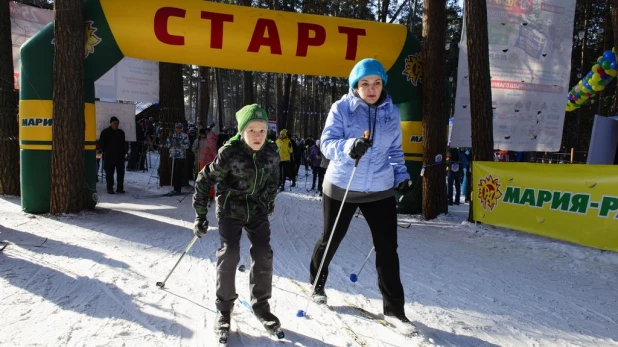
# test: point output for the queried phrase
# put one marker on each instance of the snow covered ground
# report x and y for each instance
(92, 283)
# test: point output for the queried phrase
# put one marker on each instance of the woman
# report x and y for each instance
(380, 170)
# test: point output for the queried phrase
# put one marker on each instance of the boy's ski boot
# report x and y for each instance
(271, 324)
(222, 326)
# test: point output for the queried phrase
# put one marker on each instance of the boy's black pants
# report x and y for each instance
(228, 256)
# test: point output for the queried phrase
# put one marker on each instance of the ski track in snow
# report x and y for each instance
(93, 282)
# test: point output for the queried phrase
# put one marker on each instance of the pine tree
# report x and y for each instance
(9, 141)
(480, 88)
(171, 102)
(434, 108)
(67, 162)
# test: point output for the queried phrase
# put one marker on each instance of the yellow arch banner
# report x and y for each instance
(245, 38)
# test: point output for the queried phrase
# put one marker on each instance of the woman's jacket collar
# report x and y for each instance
(354, 101)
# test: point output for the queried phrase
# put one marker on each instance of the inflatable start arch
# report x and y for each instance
(208, 34)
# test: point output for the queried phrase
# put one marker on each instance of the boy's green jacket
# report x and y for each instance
(247, 181)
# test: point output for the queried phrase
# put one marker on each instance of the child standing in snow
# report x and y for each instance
(246, 170)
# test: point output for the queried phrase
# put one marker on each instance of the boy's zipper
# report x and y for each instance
(254, 184)
(225, 201)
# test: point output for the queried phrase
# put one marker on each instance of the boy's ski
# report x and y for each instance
(158, 195)
(6, 243)
(151, 196)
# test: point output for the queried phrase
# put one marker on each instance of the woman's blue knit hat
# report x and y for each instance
(367, 67)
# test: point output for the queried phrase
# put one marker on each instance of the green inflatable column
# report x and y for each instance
(403, 85)
(36, 108)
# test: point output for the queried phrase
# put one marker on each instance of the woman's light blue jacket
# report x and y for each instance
(383, 166)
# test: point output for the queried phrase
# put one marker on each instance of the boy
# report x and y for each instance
(246, 170)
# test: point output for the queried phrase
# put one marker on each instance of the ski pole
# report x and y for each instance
(247, 260)
(302, 313)
(172, 178)
(353, 276)
(162, 284)
(189, 193)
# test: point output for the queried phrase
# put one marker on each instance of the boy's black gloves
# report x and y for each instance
(360, 146)
(200, 227)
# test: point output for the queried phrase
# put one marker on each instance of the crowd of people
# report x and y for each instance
(188, 150)
(296, 152)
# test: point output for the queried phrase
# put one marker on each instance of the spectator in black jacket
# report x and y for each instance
(114, 148)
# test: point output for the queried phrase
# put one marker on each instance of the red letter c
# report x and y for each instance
(160, 25)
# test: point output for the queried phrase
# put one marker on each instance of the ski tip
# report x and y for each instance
(353, 278)
(160, 284)
(242, 268)
(301, 313)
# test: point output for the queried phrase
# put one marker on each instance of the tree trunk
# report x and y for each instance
(237, 88)
(315, 116)
(291, 110)
(204, 96)
(171, 103)
(278, 98)
(247, 81)
(434, 109)
(68, 169)
(220, 98)
(578, 112)
(615, 31)
(191, 91)
(480, 88)
(306, 113)
(283, 101)
(384, 10)
(412, 18)
(607, 45)
(9, 132)
(266, 92)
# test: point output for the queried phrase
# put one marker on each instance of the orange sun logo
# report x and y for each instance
(489, 192)
(413, 68)
(91, 38)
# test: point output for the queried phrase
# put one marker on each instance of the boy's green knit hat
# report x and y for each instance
(248, 114)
